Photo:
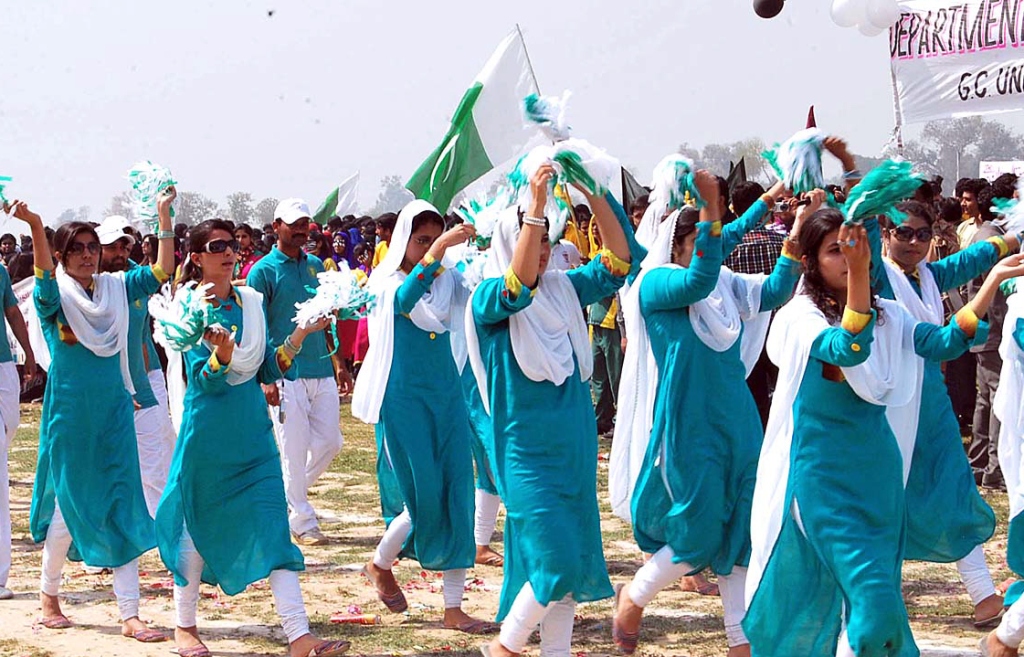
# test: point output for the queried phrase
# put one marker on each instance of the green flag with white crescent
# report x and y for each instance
(341, 200)
(486, 130)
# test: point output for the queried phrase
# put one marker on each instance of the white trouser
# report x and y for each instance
(1011, 629)
(555, 620)
(975, 575)
(391, 545)
(156, 440)
(486, 516)
(660, 571)
(283, 583)
(10, 412)
(309, 439)
(55, 551)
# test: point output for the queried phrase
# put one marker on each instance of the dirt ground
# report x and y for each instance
(245, 625)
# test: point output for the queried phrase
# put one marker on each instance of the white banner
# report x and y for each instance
(953, 59)
(992, 170)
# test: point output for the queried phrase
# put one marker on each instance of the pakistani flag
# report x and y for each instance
(341, 201)
(487, 129)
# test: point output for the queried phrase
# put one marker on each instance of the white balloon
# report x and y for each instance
(849, 13)
(882, 13)
(869, 30)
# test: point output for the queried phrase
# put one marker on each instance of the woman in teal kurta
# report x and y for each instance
(691, 503)
(87, 500)
(828, 521)
(223, 518)
(545, 434)
(947, 519)
(409, 387)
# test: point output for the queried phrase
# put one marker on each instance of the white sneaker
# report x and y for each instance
(6, 593)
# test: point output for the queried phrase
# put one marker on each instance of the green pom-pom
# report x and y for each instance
(576, 173)
(771, 156)
(3, 183)
(881, 190)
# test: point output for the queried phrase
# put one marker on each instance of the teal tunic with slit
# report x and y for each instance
(1015, 532)
(88, 456)
(846, 477)
(695, 488)
(544, 454)
(480, 431)
(225, 481)
(946, 515)
(424, 460)
(141, 353)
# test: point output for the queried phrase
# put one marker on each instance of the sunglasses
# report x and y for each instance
(220, 246)
(906, 233)
(77, 248)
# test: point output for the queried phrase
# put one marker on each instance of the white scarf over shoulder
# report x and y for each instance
(432, 312)
(1008, 404)
(547, 334)
(927, 307)
(717, 320)
(100, 321)
(890, 377)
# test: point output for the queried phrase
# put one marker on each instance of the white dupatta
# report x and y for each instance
(717, 320)
(431, 313)
(548, 333)
(100, 321)
(891, 376)
(1008, 405)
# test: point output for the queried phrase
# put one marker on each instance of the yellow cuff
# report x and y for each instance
(513, 284)
(613, 263)
(967, 321)
(159, 273)
(716, 228)
(283, 359)
(215, 365)
(428, 260)
(1000, 243)
(854, 321)
(768, 199)
(787, 253)
(41, 273)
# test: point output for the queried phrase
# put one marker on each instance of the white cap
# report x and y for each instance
(112, 229)
(291, 211)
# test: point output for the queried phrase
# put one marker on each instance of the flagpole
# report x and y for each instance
(528, 62)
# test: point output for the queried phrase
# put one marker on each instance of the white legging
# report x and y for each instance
(555, 620)
(660, 571)
(391, 545)
(1011, 629)
(486, 516)
(283, 583)
(975, 575)
(55, 551)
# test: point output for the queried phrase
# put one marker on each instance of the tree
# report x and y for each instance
(240, 207)
(264, 213)
(716, 158)
(956, 146)
(65, 217)
(120, 205)
(393, 196)
(193, 208)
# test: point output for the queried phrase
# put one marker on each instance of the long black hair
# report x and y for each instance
(66, 236)
(812, 235)
(198, 237)
(686, 223)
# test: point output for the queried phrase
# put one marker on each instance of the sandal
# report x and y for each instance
(625, 641)
(703, 588)
(991, 622)
(395, 602)
(56, 622)
(329, 648)
(195, 651)
(492, 558)
(147, 636)
(475, 626)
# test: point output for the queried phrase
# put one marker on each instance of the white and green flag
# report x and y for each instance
(487, 128)
(341, 200)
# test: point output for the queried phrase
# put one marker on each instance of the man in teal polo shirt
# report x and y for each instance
(153, 428)
(305, 411)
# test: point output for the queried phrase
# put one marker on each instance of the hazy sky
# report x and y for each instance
(231, 99)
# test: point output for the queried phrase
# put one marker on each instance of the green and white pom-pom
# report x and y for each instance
(878, 193)
(3, 183)
(470, 263)
(548, 113)
(1011, 210)
(338, 296)
(181, 319)
(148, 180)
(797, 162)
(483, 212)
(673, 184)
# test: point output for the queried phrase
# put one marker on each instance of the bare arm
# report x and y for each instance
(165, 246)
(41, 256)
(526, 256)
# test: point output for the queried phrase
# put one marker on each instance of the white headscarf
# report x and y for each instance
(100, 322)
(1008, 404)
(716, 320)
(431, 313)
(546, 334)
(927, 307)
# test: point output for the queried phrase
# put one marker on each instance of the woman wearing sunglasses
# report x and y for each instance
(87, 500)
(947, 518)
(223, 518)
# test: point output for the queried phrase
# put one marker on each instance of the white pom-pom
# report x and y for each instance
(548, 113)
(338, 295)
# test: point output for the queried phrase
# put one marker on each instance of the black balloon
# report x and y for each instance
(768, 8)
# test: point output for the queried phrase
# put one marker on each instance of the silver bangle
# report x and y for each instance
(534, 221)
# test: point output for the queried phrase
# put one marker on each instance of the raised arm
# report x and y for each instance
(967, 264)
(526, 256)
(41, 256)
(732, 234)
(165, 234)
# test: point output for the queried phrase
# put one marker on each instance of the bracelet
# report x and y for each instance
(852, 174)
(290, 346)
(534, 221)
(165, 235)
